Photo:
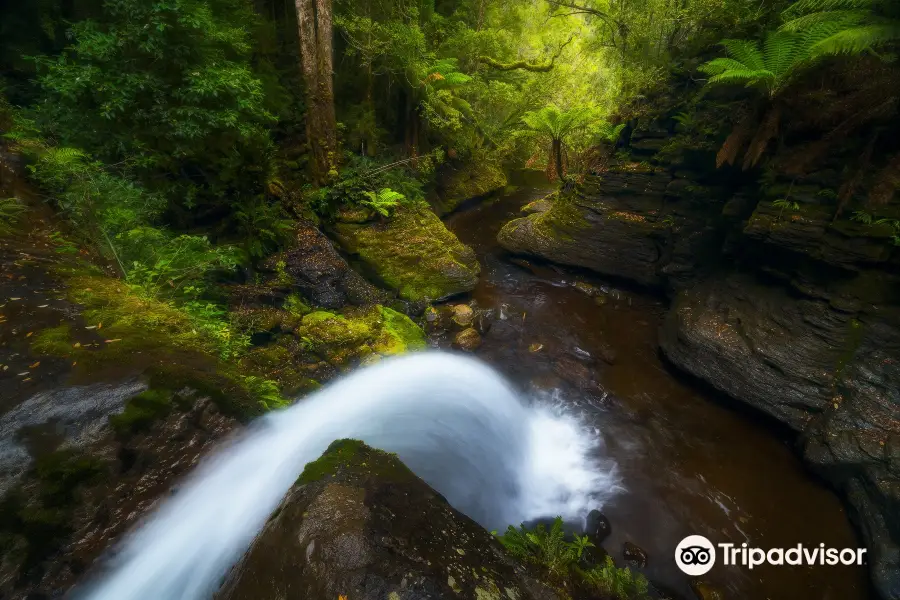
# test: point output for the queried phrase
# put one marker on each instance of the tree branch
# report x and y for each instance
(524, 64)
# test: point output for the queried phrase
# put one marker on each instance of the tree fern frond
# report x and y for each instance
(764, 134)
(780, 51)
(748, 78)
(721, 65)
(746, 52)
(735, 141)
(806, 21)
(857, 39)
(803, 7)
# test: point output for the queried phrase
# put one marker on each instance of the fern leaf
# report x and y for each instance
(803, 7)
(746, 52)
(806, 21)
(780, 49)
(857, 39)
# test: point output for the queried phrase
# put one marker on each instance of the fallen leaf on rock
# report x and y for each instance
(29, 334)
(43, 306)
(115, 340)
(91, 327)
(37, 364)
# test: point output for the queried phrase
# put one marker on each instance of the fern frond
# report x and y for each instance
(780, 49)
(720, 65)
(764, 134)
(746, 52)
(735, 141)
(857, 39)
(803, 7)
(748, 78)
(806, 21)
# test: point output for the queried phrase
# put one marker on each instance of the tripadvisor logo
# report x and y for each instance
(695, 555)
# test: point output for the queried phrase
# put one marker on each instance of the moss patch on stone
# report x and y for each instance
(557, 223)
(471, 181)
(413, 253)
(142, 410)
(359, 333)
(55, 341)
(356, 457)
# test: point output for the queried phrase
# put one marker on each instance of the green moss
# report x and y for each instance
(403, 333)
(142, 410)
(471, 181)
(358, 459)
(56, 341)
(413, 253)
(357, 334)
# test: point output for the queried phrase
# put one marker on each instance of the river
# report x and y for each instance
(691, 461)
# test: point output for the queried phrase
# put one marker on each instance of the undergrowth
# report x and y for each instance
(563, 560)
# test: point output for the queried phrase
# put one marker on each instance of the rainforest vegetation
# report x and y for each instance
(182, 138)
(190, 148)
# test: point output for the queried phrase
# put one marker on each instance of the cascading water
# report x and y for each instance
(454, 421)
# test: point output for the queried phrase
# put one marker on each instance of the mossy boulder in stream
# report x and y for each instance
(411, 252)
(359, 524)
(472, 180)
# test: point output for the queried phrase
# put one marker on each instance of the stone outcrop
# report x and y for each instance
(781, 306)
(471, 180)
(359, 524)
(312, 266)
(411, 252)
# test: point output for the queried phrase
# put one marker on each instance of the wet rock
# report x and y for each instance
(605, 227)
(484, 320)
(541, 205)
(463, 315)
(587, 288)
(634, 555)
(314, 267)
(359, 524)
(412, 253)
(606, 353)
(597, 527)
(467, 339)
(704, 590)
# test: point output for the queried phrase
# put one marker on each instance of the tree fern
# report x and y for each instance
(855, 25)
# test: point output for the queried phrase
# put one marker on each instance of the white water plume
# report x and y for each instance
(454, 421)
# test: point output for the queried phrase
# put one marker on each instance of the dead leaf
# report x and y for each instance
(99, 325)
(115, 340)
(43, 306)
(77, 345)
(29, 334)
(91, 327)
(35, 365)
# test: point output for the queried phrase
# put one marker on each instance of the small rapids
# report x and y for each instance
(454, 421)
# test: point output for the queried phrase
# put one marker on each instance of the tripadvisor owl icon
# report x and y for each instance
(695, 555)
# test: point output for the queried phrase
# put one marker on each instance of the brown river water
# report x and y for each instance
(691, 461)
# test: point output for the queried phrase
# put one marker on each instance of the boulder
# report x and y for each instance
(313, 266)
(412, 253)
(473, 180)
(358, 524)
(467, 339)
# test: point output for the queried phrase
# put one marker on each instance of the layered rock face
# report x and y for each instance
(781, 306)
(411, 252)
(359, 524)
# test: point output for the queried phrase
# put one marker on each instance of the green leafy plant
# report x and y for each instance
(556, 124)
(622, 584)
(266, 391)
(383, 201)
(11, 210)
(546, 547)
(868, 219)
(784, 203)
(860, 25)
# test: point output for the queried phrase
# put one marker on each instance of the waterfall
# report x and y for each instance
(454, 421)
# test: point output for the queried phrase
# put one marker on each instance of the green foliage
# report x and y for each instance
(557, 123)
(167, 88)
(860, 25)
(11, 210)
(548, 548)
(383, 201)
(263, 227)
(774, 65)
(541, 546)
(869, 219)
(622, 584)
(266, 391)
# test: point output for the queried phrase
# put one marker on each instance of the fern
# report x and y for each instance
(622, 584)
(383, 201)
(11, 210)
(852, 26)
(544, 547)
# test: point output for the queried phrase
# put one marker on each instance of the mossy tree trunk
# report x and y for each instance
(314, 19)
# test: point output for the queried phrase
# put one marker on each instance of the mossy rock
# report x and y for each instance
(473, 180)
(413, 253)
(359, 524)
(357, 334)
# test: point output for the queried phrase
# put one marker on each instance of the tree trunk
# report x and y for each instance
(557, 155)
(315, 24)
